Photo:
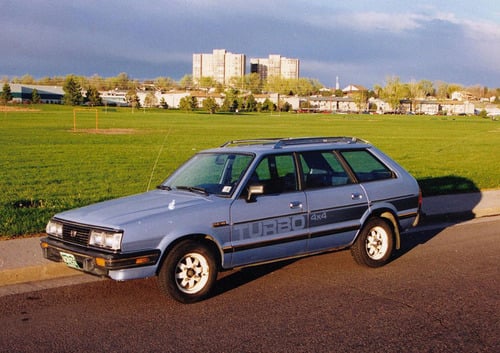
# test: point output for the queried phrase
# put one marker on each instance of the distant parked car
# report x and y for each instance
(246, 202)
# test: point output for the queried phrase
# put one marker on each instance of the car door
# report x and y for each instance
(336, 203)
(273, 224)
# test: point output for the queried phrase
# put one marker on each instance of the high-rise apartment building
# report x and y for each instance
(220, 65)
(275, 65)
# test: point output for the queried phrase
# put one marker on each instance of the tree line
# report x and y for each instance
(393, 91)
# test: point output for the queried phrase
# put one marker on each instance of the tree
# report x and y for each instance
(427, 87)
(35, 97)
(300, 87)
(286, 107)
(27, 80)
(163, 103)
(441, 90)
(98, 82)
(165, 83)
(415, 91)
(251, 103)
(122, 81)
(6, 95)
(72, 92)
(186, 82)
(360, 99)
(93, 97)
(210, 105)
(133, 99)
(248, 83)
(393, 92)
(268, 105)
(150, 100)
(206, 82)
(277, 84)
(188, 103)
(231, 103)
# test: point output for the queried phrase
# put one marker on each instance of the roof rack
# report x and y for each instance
(258, 141)
(281, 142)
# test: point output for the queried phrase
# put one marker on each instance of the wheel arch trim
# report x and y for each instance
(199, 238)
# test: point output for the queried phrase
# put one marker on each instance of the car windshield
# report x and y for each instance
(210, 173)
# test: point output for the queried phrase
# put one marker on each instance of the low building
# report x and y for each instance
(22, 93)
(442, 107)
(114, 98)
(351, 89)
(332, 104)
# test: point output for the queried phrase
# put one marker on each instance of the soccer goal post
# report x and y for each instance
(86, 110)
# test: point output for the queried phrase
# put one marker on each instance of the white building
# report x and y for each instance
(275, 65)
(220, 65)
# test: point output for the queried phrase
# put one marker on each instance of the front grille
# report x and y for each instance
(76, 234)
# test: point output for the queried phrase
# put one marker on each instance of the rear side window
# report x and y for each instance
(366, 166)
(322, 169)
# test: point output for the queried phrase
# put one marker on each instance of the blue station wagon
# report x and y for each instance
(246, 202)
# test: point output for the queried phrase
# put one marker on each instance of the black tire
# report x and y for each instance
(188, 273)
(375, 243)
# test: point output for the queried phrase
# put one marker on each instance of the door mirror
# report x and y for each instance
(253, 191)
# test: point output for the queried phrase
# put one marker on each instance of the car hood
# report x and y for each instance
(118, 212)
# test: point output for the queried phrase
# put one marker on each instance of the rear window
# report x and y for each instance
(366, 166)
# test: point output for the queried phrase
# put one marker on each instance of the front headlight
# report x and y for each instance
(54, 228)
(104, 239)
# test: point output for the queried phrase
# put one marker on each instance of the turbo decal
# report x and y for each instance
(269, 227)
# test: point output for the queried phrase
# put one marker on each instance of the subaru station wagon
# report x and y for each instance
(244, 203)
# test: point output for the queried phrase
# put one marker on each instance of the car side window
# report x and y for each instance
(276, 173)
(366, 166)
(322, 169)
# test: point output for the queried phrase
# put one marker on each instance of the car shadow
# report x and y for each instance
(233, 279)
(450, 200)
(446, 185)
(410, 241)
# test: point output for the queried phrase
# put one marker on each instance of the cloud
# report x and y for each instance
(371, 21)
(360, 41)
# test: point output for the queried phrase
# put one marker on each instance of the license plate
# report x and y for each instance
(70, 260)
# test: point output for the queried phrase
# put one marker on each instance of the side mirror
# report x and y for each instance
(253, 191)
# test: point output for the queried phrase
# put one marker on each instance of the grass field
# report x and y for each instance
(46, 166)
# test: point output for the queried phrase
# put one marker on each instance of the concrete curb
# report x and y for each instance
(21, 260)
(36, 273)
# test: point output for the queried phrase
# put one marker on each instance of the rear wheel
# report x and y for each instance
(375, 243)
(188, 273)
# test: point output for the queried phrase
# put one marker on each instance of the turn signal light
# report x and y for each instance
(142, 260)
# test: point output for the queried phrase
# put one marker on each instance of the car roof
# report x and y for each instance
(274, 145)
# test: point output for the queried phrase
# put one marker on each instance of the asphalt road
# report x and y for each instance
(440, 294)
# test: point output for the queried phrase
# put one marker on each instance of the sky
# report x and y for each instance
(362, 42)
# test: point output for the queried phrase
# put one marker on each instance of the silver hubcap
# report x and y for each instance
(377, 243)
(192, 273)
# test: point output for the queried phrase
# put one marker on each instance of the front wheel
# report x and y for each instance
(188, 273)
(374, 244)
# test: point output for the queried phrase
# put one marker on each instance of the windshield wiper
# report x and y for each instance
(195, 189)
(164, 187)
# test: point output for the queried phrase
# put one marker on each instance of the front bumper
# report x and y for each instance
(96, 262)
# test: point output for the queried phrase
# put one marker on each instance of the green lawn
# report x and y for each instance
(46, 167)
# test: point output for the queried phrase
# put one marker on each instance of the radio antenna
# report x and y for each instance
(158, 157)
